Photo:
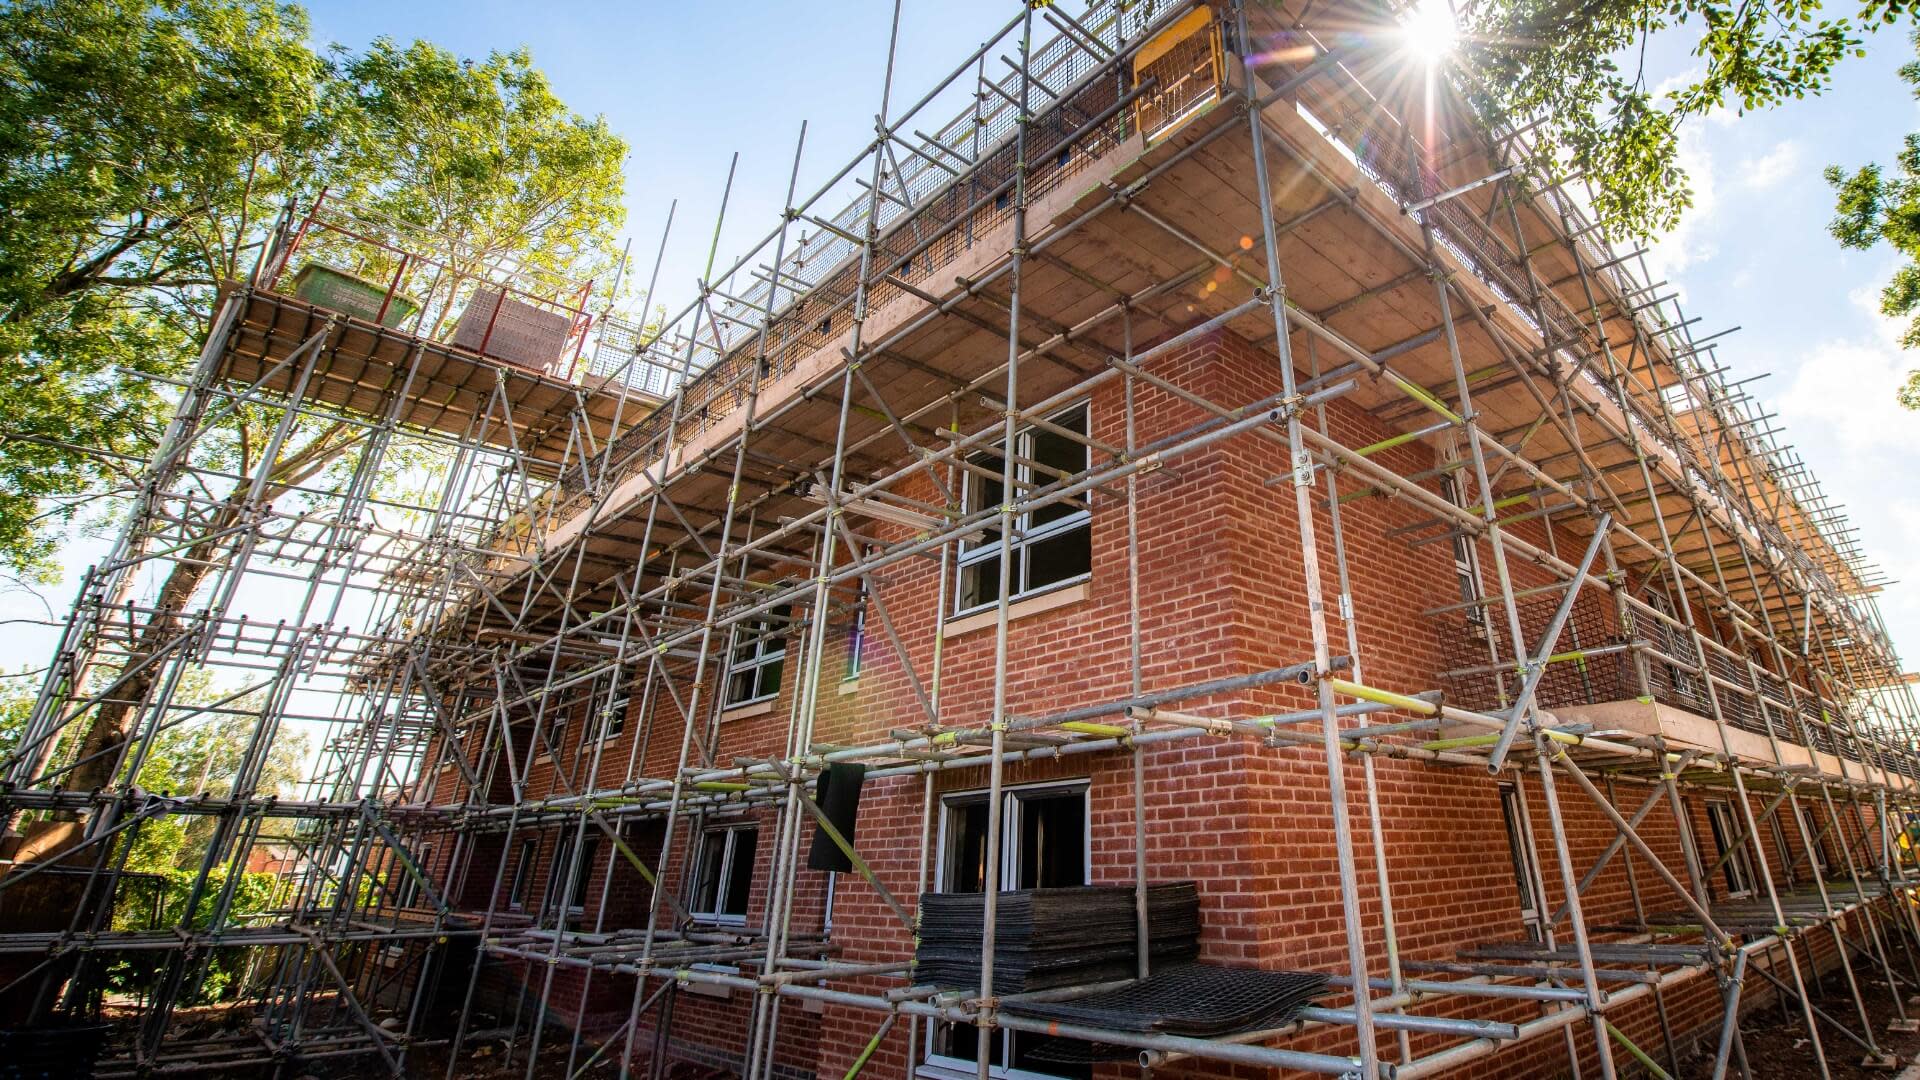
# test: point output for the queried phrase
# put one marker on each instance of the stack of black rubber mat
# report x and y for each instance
(1053, 937)
(1198, 1000)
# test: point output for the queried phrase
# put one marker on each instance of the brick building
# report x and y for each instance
(1174, 467)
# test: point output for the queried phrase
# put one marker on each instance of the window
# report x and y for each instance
(1051, 545)
(833, 890)
(1736, 870)
(409, 890)
(1781, 847)
(1816, 847)
(1513, 811)
(857, 637)
(1466, 560)
(758, 655)
(522, 873)
(563, 862)
(615, 720)
(1043, 844)
(724, 874)
(553, 734)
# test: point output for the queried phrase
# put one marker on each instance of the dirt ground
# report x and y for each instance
(1778, 1048)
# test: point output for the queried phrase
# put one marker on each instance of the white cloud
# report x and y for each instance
(1848, 387)
(1840, 406)
(1770, 168)
(1692, 241)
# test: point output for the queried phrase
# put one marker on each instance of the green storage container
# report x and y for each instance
(350, 294)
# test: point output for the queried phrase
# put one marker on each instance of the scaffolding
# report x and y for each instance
(513, 599)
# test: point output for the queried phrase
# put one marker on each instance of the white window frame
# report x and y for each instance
(1781, 847)
(728, 849)
(977, 552)
(939, 1066)
(522, 873)
(857, 638)
(833, 890)
(1737, 871)
(1816, 847)
(562, 856)
(769, 645)
(1470, 582)
(615, 722)
(1526, 871)
(409, 889)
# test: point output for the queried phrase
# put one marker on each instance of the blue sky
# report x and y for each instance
(687, 85)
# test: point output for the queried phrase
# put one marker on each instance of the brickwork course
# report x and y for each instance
(1199, 448)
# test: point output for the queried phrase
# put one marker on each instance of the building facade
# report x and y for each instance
(1215, 453)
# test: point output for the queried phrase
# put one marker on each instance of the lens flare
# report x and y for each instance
(1429, 33)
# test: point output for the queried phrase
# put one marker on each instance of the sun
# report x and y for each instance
(1429, 32)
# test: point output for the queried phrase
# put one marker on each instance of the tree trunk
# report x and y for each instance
(113, 719)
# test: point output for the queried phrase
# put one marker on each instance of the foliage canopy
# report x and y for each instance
(146, 145)
(1578, 69)
(1872, 205)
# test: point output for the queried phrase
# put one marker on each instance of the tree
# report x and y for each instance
(1872, 207)
(145, 145)
(195, 754)
(482, 157)
(141, 143)
(1578, 70)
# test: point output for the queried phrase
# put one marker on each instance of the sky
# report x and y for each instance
(688, 85)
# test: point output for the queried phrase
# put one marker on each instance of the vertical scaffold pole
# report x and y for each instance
(1301, 465)
(997, 766)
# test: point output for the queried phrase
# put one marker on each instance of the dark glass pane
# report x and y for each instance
(712, 854)
(589, 852)
(740, 879)
(980, 583)
(740, 686)
(966, 870)
(963, 1041)
(1058, 453)
(529, 850)
(770, 678)
(1516, 850)
(1053, 842)
(1058, 558)
(985, 493)
(557, 873)
(774, 631)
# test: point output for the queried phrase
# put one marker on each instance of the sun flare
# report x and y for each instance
(1429, 32)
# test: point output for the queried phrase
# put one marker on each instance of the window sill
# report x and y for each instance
(850, 686)
(718, 922)
(750, 709)
(1019, 609)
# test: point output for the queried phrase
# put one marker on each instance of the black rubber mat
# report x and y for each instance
(1189, 999)
(1053, 937)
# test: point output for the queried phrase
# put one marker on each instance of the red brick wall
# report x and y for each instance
(1221, 594)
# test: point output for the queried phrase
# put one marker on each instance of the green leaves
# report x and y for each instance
(1558, 62)
(140, 146)
(482, 155)
(1873, 205)
(145, 145)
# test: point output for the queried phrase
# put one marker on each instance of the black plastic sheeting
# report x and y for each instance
(839, 799)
